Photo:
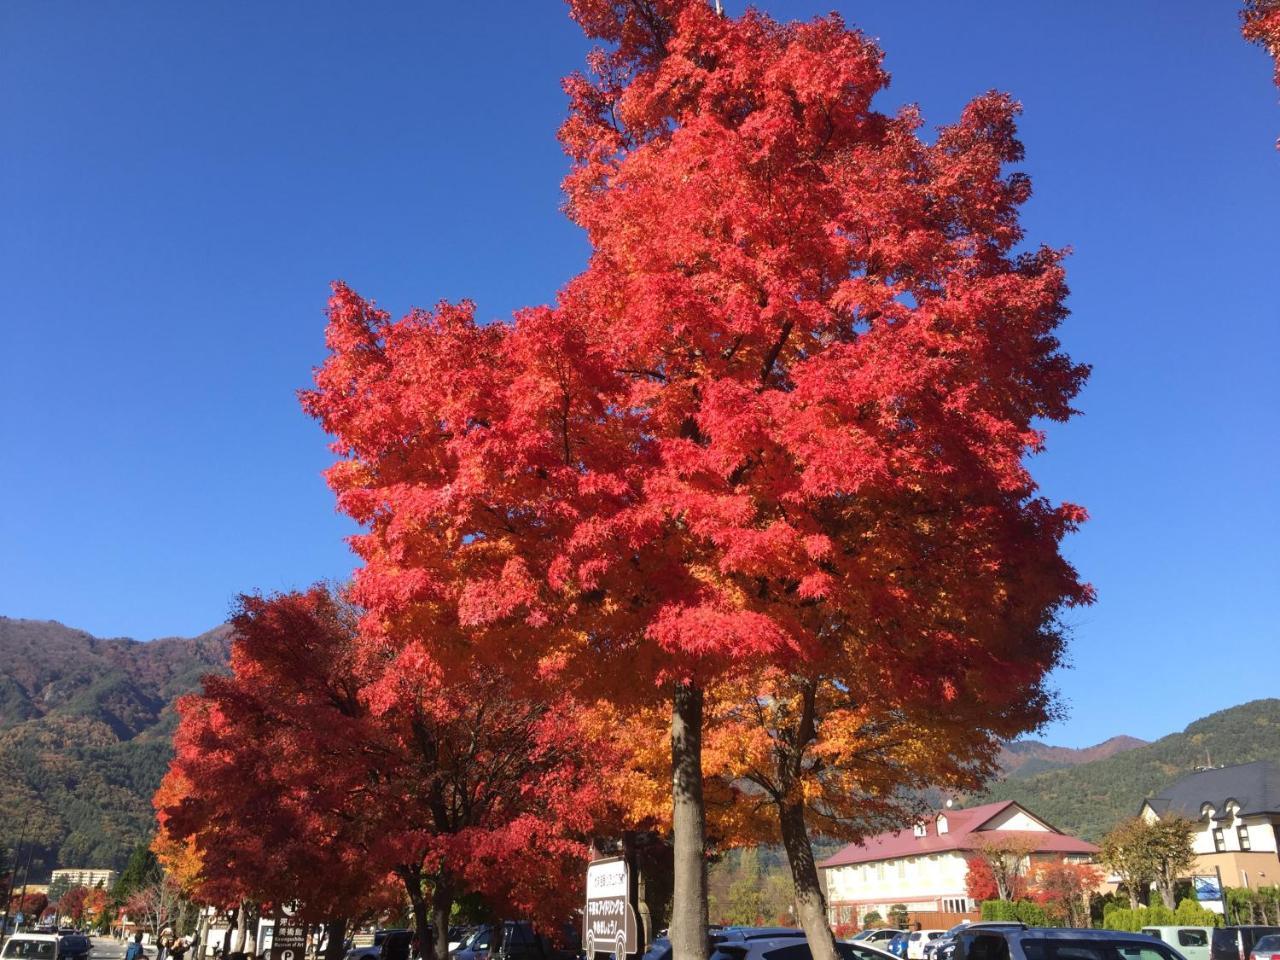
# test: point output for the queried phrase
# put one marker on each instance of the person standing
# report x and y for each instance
(178, 951)
(135, 951)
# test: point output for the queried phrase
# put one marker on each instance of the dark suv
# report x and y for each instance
(1236, 943)
(73, 946)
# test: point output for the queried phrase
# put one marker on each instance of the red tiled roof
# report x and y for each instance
(962, 823)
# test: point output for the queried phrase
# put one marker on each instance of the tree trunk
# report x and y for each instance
(242, 924)
(441, 908)
(335, 932)
(421, 912)
(810, 903)
(688, 824)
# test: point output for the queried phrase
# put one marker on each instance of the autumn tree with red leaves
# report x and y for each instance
(780, 422)
(318, 770)
(1064, 889)
(980, 881)
(71, 905)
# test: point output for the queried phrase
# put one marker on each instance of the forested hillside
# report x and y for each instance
(1091, 798)
(84, 736)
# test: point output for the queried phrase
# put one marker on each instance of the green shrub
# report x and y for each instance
(1023, 911)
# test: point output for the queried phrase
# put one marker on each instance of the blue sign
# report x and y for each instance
(1206, 887)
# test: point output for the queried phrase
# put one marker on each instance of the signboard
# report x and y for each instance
(288, 933)
(609, 921)
(1208, 888)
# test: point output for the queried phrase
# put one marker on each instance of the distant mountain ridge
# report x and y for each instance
(1025, 758)
(1091, 798)
(85, 728)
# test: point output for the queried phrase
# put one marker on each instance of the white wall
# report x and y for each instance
(1014, 819)
(899, 881)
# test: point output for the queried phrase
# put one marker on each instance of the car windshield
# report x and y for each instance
(29, 949)
(1268, 943)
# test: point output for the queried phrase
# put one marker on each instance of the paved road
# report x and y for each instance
(108, 948)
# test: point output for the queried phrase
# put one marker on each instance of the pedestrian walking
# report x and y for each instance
(135, 951)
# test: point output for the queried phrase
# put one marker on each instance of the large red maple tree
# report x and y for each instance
(779, 422)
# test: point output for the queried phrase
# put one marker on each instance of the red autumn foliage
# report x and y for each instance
(72, 903)
(1261, 25)
(1063, 888)
(979, 880)
(32, 905)
(293, 780)
(781, 419)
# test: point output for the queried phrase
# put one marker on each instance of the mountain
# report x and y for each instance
(1025, 758)
(1090, 798)
(85, 727)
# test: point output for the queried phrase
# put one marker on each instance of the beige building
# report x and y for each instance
(82, 877)
(924, 867)
(1237, 813)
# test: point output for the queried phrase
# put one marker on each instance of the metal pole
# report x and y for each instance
(13, 874)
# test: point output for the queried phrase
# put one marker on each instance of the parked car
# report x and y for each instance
(1236, 943)
(793, 948)
(862, 951)
(519, 942)
(1042, 943)
(393, 941)
(946, 944)
(931, 948)
(73, 946)
(30, 946)
(729, 943)
(1191, 942)
(876, 936)
(1268, 948)
(917, 940)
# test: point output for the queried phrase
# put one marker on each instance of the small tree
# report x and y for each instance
(1008, 858)
(1063, 889)
(898, 915)
(159, 904)
(871, 918)
(979, 881)
(1172, 854)
(1126, 852)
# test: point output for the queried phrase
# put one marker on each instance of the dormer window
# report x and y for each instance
(921, 829)
(1206, 810)
(942, 824)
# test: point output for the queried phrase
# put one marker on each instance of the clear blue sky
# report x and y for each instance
(180, 181)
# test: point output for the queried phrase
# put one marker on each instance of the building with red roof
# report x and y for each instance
(924, 867)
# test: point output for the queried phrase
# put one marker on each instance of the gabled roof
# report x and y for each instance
(962, 824)
(1254, 786)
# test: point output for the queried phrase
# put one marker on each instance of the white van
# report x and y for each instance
(1191, 942)
(30, 946)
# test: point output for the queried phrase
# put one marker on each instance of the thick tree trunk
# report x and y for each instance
(421, 916)
(688, 823)
(441, 908)
(810, 903)
(335, 932)
(242, 926)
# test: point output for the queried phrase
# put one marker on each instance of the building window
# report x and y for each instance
(902, 869)
(1219, 841)
(1243, 834)
(921, 830)
(942, 824)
